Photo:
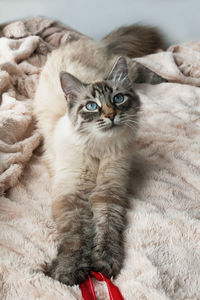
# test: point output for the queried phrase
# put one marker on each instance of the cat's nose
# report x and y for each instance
(111, 116)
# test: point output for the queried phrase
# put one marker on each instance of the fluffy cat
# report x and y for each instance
(87, 111)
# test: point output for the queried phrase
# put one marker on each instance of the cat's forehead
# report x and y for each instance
(101, 89)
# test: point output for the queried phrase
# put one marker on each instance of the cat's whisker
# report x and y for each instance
(132, 121)
(130, 115)
(129, 121)
(82, 129)
(130, 126)
(101, 127)
(101, 124)
(100, 121)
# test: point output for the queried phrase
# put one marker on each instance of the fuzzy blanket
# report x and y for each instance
(162, 239)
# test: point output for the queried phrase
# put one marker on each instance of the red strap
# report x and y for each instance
(88, 292)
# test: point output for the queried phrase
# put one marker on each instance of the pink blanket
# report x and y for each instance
(162, 237)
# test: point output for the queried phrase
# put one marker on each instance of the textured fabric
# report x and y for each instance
(163, 233)
(24, 46)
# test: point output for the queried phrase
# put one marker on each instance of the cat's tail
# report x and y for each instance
(133, 41)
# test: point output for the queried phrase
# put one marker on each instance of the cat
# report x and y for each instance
(87, 110)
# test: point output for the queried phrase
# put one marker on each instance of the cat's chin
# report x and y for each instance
(113, 127)
(113, 131)
(110, 132)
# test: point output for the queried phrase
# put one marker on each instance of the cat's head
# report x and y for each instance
(106, 107)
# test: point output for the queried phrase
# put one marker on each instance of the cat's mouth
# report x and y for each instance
(111, 126)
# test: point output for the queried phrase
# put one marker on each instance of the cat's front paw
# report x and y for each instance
(70, 270)
(106, 262)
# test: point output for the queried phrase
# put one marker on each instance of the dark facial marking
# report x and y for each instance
(101, 88)
(89, 116)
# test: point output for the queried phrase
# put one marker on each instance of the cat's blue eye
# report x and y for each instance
(119, 98)
(91, 106)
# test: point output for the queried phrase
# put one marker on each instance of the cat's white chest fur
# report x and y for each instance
(71, 159)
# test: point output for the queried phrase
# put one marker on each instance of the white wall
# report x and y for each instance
(179, 19)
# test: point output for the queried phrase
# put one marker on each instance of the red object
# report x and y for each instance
(88, 291)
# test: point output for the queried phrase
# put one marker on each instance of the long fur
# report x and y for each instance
(134, 41)
(89, 167)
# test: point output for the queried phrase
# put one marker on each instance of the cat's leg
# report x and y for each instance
(74, 223)
(109, 204)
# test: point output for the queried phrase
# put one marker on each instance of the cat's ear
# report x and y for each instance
(141, 74)
(135, 73)
(119, 72)
(71, 85)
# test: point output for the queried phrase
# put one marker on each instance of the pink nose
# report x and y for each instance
(111, 116)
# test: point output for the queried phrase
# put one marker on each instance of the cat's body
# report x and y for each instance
(88, 141)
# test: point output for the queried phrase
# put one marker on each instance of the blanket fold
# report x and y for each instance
(24, 46)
